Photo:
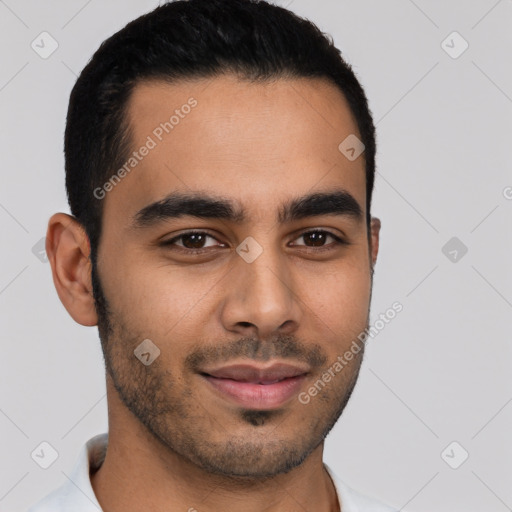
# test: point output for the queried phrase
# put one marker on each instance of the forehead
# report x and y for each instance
(258, 142)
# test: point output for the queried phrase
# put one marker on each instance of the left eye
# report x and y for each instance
(318, 238)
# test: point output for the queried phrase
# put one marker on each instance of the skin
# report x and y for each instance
(174, 443)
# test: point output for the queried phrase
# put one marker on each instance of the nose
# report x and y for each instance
(261, 299)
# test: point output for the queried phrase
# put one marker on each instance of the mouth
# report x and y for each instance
(255, 387)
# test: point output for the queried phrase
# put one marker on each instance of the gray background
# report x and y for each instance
(438, 373)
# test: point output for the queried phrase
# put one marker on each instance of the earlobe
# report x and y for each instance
(375, 236)
(68, 250)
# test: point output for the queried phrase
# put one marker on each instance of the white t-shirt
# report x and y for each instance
(77, 494)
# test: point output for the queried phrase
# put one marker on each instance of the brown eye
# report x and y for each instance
(193, 241)
(315, 238)
(319, 238)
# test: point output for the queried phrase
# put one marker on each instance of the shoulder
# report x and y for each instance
(352, 500)
(76, 493)
(367, 504)
(50, 503)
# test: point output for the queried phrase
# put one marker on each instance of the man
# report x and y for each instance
(220, 161)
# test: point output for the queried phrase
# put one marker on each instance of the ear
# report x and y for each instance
(374, 239)
(68, 250)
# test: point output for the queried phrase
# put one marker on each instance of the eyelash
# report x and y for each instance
(337, 242)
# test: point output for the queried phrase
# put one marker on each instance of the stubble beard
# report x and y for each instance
(183, 427)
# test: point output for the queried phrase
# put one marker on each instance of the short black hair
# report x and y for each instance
(183, 39)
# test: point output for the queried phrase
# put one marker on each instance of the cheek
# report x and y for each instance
(341, 302)
(157, 299)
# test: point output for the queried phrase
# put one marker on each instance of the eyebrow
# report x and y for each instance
(204, 206)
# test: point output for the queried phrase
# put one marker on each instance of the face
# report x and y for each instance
(236, 245)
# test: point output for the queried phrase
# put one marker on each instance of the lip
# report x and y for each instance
(255, 387)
